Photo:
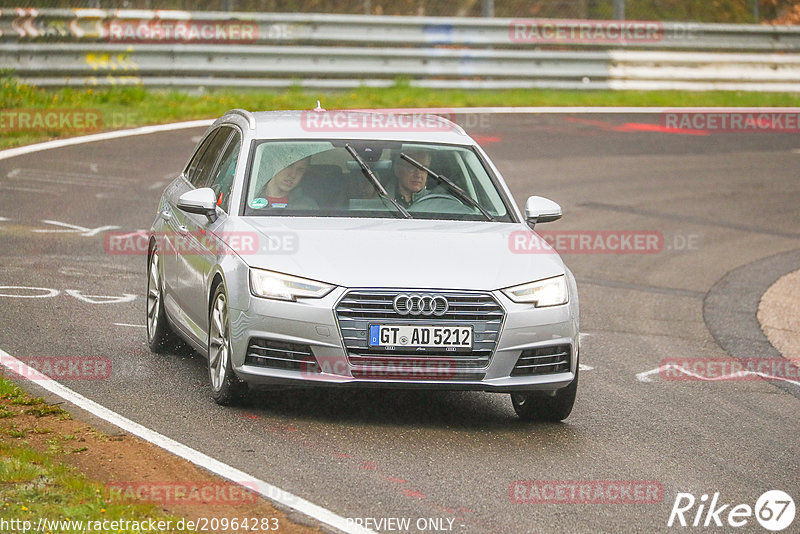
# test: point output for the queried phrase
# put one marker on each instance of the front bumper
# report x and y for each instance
(312, 324)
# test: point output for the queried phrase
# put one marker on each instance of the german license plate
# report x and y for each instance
(396, 335)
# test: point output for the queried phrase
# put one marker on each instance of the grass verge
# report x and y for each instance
(59, 469)
(126, 107)
(37, 486)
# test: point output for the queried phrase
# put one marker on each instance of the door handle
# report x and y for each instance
(183, 229)
(166, 215)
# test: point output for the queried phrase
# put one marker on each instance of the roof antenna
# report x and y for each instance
(319, 107)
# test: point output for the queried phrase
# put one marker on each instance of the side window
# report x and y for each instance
(191, 169)
(205, 165)
(222, 180)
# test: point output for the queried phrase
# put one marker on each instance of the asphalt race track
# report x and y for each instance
(721, 202)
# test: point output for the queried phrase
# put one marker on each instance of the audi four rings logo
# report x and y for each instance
(420, 305)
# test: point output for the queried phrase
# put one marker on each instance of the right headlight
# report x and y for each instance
(542, 293)
(272, 285)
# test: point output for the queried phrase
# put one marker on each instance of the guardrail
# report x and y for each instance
(81, 25)
(172, 48)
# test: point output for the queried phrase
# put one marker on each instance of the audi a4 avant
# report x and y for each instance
(360, 249)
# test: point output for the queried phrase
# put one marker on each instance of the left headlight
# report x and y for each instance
(272, 285)
(548, 292)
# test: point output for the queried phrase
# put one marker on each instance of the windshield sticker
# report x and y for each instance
(258, 203)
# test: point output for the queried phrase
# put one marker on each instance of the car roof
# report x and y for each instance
(350, 124)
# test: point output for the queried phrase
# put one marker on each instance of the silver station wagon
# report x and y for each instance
(360, 249)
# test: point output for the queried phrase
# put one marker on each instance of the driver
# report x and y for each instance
(410, 181)
(286, 166)
(282, 190)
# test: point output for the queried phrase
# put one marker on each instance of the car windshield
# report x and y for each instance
(365, 178)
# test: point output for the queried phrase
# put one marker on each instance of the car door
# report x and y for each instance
(172, 237)
(188, 248)
(211, 247)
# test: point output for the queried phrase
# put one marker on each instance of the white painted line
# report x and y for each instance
(582, 366)
(74, 228)
(144, 130)
(25, 189)
(61, 174)
(269, 491)
(67, 181)
(135, 233)
(72, 271)
(101, 299)
(131, 325)
(157, 185)
(47, 292)
(58, 143)
(645, 376)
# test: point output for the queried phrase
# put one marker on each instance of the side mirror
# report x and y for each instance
(541, 210)
(201, 201)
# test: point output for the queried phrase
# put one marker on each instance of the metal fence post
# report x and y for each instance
(487, 8)
(619, 9)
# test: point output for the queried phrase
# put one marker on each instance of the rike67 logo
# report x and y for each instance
(774, 510)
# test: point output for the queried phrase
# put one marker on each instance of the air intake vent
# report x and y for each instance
(280, 355)
(543, 361)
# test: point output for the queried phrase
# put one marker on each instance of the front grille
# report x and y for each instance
(543, 361)
(360, 308)
(280, 355)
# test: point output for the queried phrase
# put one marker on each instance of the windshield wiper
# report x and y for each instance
(375, 182)
(460, 193)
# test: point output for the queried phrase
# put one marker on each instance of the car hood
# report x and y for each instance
(355, 252)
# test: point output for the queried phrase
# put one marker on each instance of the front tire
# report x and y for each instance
(539, 406)
(160, 337)
(226, 387)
